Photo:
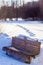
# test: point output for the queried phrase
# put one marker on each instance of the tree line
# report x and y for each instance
(26, 11)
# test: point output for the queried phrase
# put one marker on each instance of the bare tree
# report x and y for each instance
(23, 2)
(20, 2)
(16, 9)
(3, 2)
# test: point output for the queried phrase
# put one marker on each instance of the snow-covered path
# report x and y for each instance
(31, 30)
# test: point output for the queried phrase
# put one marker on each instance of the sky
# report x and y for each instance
(9, 1)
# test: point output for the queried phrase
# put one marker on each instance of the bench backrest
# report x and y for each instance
(27, 45)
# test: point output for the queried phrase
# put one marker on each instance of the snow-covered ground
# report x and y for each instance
(30, 30)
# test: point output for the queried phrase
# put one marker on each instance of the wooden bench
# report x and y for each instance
(24, 49)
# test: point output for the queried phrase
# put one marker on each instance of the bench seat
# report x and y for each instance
(11, 51)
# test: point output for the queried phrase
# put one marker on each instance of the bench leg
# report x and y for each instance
(28, 60)
(33, 56)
